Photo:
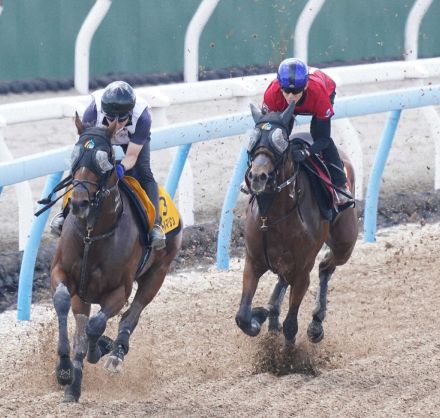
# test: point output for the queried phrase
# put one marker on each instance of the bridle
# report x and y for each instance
(95, 200)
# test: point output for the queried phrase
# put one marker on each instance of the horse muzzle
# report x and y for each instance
(80, 209)
(258, 182)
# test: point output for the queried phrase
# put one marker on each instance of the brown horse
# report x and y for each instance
(98, 257)
(285, 231)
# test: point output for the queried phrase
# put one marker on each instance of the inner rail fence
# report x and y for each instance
(163, 98)
(53, 163)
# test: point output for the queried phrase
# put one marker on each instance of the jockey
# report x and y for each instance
(313, 91)
(118, 101)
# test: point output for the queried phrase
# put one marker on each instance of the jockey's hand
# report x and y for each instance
(120, 170)
(300, 155)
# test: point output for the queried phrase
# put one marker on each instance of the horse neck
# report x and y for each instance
(108, 211)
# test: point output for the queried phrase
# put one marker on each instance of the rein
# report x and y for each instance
(95, 202)
(264, 227)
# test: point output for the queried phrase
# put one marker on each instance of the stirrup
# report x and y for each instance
(157, 236)
(244, 189)
(56, 224)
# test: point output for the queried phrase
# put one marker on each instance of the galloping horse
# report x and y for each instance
(99, 255)
(284, 230)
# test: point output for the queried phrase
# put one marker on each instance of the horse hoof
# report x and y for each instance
(315, 332)
(274, 325)
(113, 364)
(64, 372)
(289, 343)
(260, 314)
(68, 398)
(93, 356)
(251, 328)
(105, 344)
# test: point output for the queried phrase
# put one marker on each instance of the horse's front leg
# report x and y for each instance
(297, 292)
(61, 302)
(274, 305)
(111, 305)
(250, 320)
(81, 313)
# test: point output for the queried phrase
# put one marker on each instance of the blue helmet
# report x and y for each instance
(293, 75)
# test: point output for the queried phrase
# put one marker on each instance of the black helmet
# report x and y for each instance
(118, 100)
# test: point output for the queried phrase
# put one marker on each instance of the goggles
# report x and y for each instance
(294, 90)
(120, 118)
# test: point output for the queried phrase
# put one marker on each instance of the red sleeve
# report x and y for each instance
(324, 108)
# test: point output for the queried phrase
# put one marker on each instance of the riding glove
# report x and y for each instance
(120, 170)
(300, 155)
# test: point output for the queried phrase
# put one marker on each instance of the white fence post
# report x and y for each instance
(412, 31)
(192, 38)
(302, 28)
(24, 195)
(82, 44)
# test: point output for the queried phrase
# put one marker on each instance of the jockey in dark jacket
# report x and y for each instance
(118, 101)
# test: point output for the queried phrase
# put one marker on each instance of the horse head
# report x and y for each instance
(267, 148)
(92, 167)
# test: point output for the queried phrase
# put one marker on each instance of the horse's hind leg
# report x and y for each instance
(297, 292)
(274, 305)
(315, 331)
(61, 301)
(341, 241)
(110, 306)
(148, 286)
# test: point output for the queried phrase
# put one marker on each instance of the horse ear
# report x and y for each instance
(256, 113)
(286, 116)
(79, 125)
(111, 130)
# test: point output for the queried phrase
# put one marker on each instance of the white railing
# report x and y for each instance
(163, 98)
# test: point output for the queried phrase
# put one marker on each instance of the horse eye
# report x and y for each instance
(279, 141)
(102, 161)
(254, 137)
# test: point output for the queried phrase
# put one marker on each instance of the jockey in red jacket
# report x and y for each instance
(313, 92)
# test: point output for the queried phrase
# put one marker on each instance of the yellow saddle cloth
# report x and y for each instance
(170, 219)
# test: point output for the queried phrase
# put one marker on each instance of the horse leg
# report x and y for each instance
(248, 320)
(61, 301)
(315, 330)
(297, 292)
(341, 241)
(81, 313)
(274, 305)
(110, 306)
(148, 286)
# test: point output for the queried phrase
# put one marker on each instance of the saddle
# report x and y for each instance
(320, 180)
(144, 209)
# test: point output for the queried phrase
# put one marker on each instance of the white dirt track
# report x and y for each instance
(380, 356)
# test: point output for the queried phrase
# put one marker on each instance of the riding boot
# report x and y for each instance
(337, 173)
(157, 236)
(56, 224)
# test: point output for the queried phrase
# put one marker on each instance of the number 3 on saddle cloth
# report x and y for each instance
(169, 215)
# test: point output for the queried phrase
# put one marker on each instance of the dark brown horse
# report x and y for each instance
(98, 257)
(285, 231)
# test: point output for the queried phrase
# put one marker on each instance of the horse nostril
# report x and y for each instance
(250, 175)
(263, 177)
